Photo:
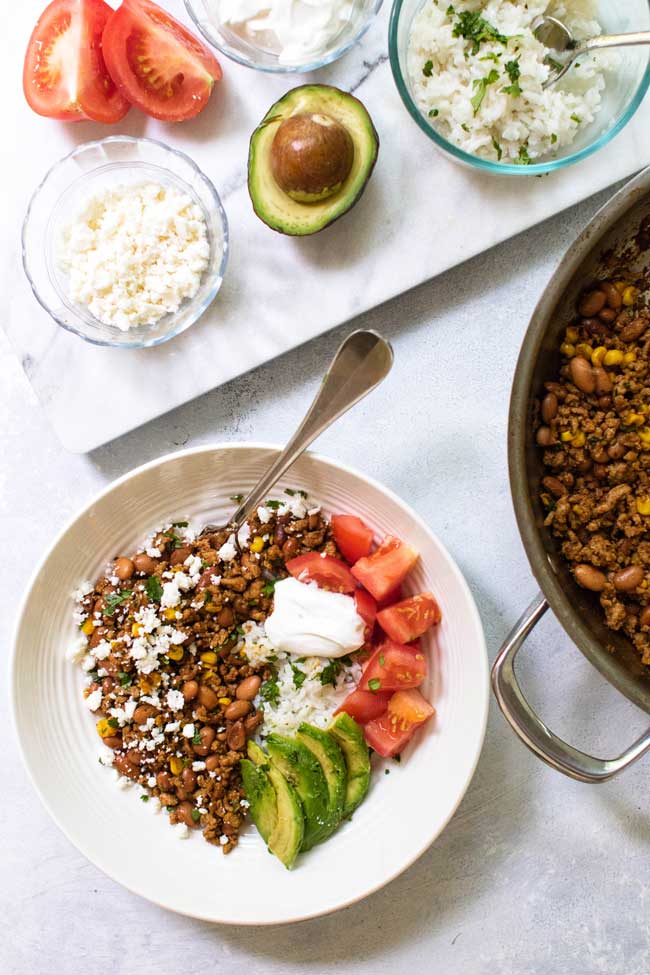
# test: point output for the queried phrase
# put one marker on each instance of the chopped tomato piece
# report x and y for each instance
(394, 596)
(394, 666)
(353, 536)
(65, 76)
(367, 609)
(406, 712)
(326, 571)
(409, 619)
(386, 568)
(157, 63)
(363, 706)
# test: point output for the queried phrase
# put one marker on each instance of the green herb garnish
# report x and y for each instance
(575, 118)
(114, 599)
(153, 588)
(481, 86)
(273, 505)
(196, 739)
(196, 815)
(236, 498)
(553, 63)
(330, 672)
(433, 113)
(270, 691)
(497, 149)
(144, 798)
(293, 491)
(465, 127)
(374, 683)
(476, 29)
(427, 70)
(269, 587)
(299, 676)
(124, 678)
(513, 71)
(523, 159)
(112, 723)
(382, 659)
(553, 138)
(491, 57)
(180, 524)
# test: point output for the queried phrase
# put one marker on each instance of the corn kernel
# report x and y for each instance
(643, 506)
(225, 701)
(629, 296)
(175, 653)
(546, 500)
(176, 765)
(644, 436)
(169, 614)
(579, 439)
(571, 334)
(598, 355)
(566, 436)
(629, 358)
(88, 628)
(634, 419)
(257, 544)
(613, 358)
(209, 657)
(620, 286)
(567, 349)
(135, 629)
(104, 728)
(585, 350)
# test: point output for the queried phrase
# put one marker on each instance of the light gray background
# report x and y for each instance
(535, 874)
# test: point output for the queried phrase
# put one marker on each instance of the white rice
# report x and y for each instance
(445, 76)
(313, 701)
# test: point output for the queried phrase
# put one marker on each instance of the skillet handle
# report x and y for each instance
(532, 730)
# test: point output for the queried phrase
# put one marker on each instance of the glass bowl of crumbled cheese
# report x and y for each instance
(473, 79)
(283, 35)
(125, 242)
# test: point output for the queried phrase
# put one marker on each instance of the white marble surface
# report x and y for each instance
(420, 215)
(535, 875)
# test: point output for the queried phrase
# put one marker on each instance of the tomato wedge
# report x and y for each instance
(367, 609)
(156, 63)
(64, 75)
(409, 619)
(353, 536)
(326, 571)
(363, 706)
(392, 667)
(386, 568)
(394, 596)
(389, 733)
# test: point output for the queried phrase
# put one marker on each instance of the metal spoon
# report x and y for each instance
(363, 360)
(555, 35)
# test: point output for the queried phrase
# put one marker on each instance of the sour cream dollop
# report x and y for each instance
(312, 622)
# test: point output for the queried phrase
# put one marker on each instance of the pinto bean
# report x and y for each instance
(544, 437)
(236, 736)
(144, 564)
(555, 486)
(114, 741)
(616, 450)
(143, 712)
(236, 710)
(595, 327)
(188, 778)
(608, 315)
(582, 374)
(97, 637)
(251, 722)
(135, 756)
(190, 689)
(226, 617)
(590, 578)
(248, 688)
(625, 580)
(644, 616)
(207, 697)
(211, 763)
(633, 331)
(180, 554)
(612, 295)
(602, 381)
(184, 815)
(591, 303)
(164, 781)
(289, 549)
(124, 767)
(206, 735)
(123, 568)
(549, 407)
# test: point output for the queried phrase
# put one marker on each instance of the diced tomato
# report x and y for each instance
(326, 571)
(394, 596)
(367, 609)
(353, 536)
(64, 75)
(392, 667)
(156, 63)
(406, 712)
(409, 619)
(363, 706)
(386, 568)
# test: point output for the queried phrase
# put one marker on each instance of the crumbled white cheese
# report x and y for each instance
(171, 727)
(77, 650)
(244, 534)
(147, 619)
(175, 700)
(228, 550)
(82, 590)
(194, 565)
(102, 650)
(151, 782)
(170, 595)
(88, 663)
(135, 253)
(215, 580)
(106, 756)
(223, 839)
(264, 514)
(181, 831)
(198, 766)
(188, 731)
(94, 700)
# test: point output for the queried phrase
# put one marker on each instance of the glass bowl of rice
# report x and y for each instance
(471, 76)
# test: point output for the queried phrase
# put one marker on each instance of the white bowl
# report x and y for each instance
(404, 812)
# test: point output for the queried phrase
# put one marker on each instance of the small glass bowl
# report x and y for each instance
(205, 14)
(624, 91)
(90, 169)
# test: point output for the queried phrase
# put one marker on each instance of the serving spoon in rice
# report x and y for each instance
(553, 34)
(362, 361)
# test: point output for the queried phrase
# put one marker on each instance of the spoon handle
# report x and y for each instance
(603, 41)
(363, 360)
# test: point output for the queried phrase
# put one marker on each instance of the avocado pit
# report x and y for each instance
(311, 156)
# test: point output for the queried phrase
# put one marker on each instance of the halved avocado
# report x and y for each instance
(352, 743)
(323, 746)
(332, 116)
(286, 836)
(261, 796)
(303, 770)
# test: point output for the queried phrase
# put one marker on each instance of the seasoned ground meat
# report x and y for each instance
(172, 691)
(593, 425)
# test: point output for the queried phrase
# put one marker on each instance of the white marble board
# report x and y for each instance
(420, 215)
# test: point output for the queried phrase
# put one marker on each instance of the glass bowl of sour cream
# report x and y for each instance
(283, 35)
(125, 242)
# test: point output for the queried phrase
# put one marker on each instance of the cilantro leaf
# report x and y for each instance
(512, 68)
(523, 159)
(481, 86)
(299, 676)
(124, 678)
(270, 691)
(497, 149)
(153, 588)
(330, 672)
(427, 70)
(475, 28)
(269, 587)
(114, 599)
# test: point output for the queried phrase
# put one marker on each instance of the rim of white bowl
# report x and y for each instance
(255, 445)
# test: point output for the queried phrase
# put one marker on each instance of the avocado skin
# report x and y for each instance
(303, 770)
(285, 839)
(352, 743)
(277, 210)
(323, 746)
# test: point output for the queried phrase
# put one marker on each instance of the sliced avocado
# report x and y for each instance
(302, 183)
(349, 737)
(285, 839)
(303, 770)
(261, 796)
(323, 746)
